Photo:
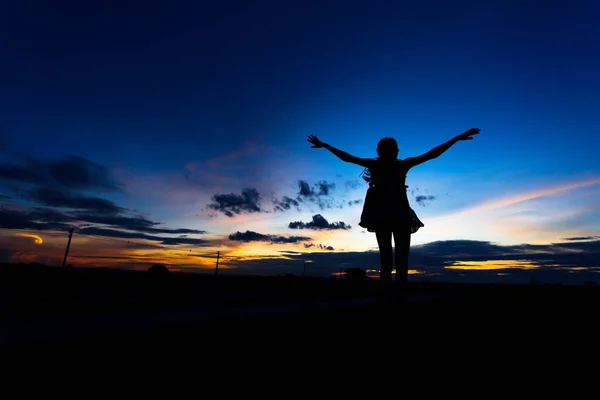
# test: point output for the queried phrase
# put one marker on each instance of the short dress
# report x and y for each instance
(386, 206)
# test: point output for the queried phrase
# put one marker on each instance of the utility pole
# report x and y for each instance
(217, 268)
(68, 244)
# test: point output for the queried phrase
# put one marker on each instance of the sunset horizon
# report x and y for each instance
(178, 135)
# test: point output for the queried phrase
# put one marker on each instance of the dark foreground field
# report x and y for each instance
(92, 315)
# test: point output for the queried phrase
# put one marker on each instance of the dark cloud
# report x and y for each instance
(556, 255)
(139, 224)
(319, 223)
(78, 173)
(421, 199)
(71, 172)
(324, 188)
(285, 204)
(49, 219)
(4, 197)
(321, 188)
(579, 238)
(319, 193)
(230, 204)
(250, 236)
(64, 198)
(55, 184)
(39, 219)
(319, 246)
(289, 239)
(114, 233)
(21, 174)
(304, 189)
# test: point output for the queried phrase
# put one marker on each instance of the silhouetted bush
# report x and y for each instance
(356, 274)
(159, 269)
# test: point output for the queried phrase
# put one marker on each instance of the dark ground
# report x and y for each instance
(314, 320)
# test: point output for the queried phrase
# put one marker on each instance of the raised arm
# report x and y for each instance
(342, 155)
(439, 150)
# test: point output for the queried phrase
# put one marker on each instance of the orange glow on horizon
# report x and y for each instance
(491, 265)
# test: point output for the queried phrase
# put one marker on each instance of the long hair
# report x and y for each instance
(387, 148)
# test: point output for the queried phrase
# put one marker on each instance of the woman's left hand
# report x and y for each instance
(467, 135)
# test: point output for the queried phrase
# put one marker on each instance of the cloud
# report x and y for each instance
(565, 255)
(285, 204)
(230, 204)
(580, 238)
(304, 189)
(137, 223)
(57, 198)
(319, 193)
(114, 233)
(324, 187)
(78, 173)
(36, 239)
(319, 223)
(421, 198)
(250, 236)
(534, 194)
(4, 197)
(45, 219)
(319, 246)
(321, 188)
(72, 172)
(37, 219)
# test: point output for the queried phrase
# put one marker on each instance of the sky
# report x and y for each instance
(176, 132)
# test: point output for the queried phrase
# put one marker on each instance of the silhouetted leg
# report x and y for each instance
(402, 244)
(386, 260)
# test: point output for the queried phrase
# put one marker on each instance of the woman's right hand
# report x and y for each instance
(316, 143)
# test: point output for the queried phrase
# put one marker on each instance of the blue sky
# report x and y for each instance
(171, 108)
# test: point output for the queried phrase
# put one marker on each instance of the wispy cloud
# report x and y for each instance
(530, 195)
(36, 238)
(540, 215)
(72, 172)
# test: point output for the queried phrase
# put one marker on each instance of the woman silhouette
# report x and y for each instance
(386, 210)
